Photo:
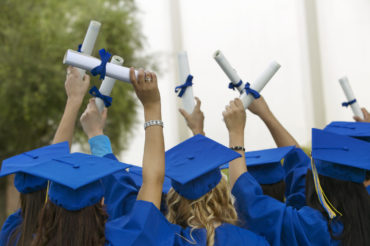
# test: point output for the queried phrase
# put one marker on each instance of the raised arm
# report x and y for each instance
(146, 88)
(195, 120)
(93, 123)
(366, 116)
(281, 136)
(120, 190)
(235, 118)
(76, 89)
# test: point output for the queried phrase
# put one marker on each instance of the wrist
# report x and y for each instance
(94, 133)
(74, 101)
(198, 131)
(266, 115)
(152, 112)
(236, 139)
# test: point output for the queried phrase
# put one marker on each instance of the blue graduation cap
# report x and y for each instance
(26, 183)
(265, 165)
(136, 173)
(75, 178)
(194, 165)
(360, 130)
(340, 157)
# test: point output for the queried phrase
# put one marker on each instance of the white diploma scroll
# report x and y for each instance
(350, 96)
(107, 84)
(260, 83)
(184, 72)
(228, 69)
(89, 40)
(86, 62)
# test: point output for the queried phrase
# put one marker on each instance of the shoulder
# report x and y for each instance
(144, 225)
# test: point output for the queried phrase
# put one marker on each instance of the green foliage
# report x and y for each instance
(34, 36)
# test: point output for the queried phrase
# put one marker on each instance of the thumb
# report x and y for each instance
(358, 119)
(92, 105)
(197, 106)
(184, 113)
(364, 111)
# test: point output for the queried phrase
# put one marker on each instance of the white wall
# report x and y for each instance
(345, 46)
(251, 34)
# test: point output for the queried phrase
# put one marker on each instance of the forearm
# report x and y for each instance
(280, 135)
(67, 124)
(153, 160)
(236, 167)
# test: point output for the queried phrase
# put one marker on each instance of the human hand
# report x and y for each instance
(76, 87)
(235, 117)
(259, 107)
(146, 88)
(195, 120)
(92, 121)
(366, 116)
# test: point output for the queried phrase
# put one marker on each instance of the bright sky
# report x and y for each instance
(251, 34)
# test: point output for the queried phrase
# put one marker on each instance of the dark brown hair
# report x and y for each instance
(60, 227)
(276, 190)
(31, 205)
(349, 198)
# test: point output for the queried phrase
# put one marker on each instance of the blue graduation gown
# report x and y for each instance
(147, 226)
(120, 193)
(295, 165)
(279, 223)
(120, 189)
(368, 189)
(11, 223)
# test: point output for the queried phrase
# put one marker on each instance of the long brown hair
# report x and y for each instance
(31, 206)
(351, 199)
(207, 212)
(276, 190)
(60, 227)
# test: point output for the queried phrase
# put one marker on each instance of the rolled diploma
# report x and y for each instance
(89, 40)
(228, 69)
(107, 84)
(350, 96)
(86, 62)
(260, 83)
(184, 72)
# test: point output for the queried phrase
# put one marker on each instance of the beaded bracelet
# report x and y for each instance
(236, 148)
(153, 123)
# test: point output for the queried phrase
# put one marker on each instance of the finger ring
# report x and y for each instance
(148, 79)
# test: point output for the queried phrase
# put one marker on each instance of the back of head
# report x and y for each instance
(208, 211)
(349, 198)
(59, 226)
(31, 206)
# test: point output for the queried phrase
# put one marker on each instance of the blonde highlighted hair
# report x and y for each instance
(209, 211)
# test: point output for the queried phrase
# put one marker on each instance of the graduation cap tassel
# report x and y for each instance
(47, 193)
(329, 208)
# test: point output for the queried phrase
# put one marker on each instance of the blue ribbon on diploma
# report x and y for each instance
(79, 48)
(182, 88)
(346, 104)
(249, 90)
(233, 86)
(101, 69)
(96, 93)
